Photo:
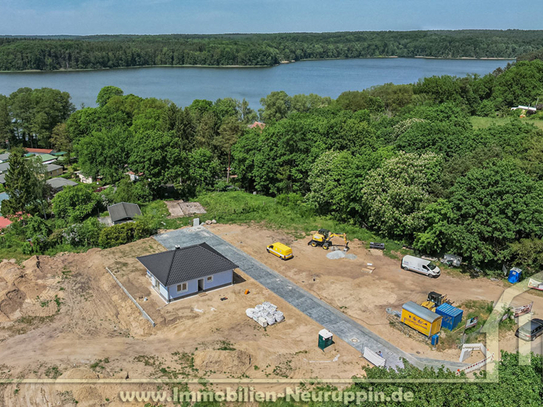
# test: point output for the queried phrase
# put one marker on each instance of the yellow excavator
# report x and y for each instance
(324, 238)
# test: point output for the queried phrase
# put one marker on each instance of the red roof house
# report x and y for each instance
(4, 222)
(39, 150)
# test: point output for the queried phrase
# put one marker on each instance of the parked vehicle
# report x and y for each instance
(434, 300)
(280, 250)
(530, 330)
(324, 239)
(421, 266)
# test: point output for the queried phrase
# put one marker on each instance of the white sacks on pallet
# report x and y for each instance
(265, 314)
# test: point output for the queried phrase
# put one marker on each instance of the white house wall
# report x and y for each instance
(219, 279)
(163, 291)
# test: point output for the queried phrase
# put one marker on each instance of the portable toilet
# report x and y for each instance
(451, 316)
(325, 339)
(514, 275)
(435, 339)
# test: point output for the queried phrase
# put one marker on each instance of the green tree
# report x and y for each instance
(135, 192)
(75, 203)
(106, 93)
(60, 138)
(36, 112)
(490, 208)
(158, 156)
(329, 183)
(395, 195)
(105, 153)
(21, 185)
(355, 100)
(204, 169)
(6, 127)
(229, 132)
(276, 106)
(518, 385)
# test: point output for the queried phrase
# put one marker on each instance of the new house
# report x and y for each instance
(189, 270)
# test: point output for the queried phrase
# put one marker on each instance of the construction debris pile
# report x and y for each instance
(338, 254)
(265, 314)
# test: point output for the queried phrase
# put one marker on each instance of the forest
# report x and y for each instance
(121, 51)
(407, 163)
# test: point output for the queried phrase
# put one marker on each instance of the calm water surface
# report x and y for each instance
(183, 85)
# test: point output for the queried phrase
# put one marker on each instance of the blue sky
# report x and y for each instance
(219, 16)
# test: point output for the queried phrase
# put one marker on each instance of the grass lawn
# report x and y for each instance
(484, 122)
(298, 220)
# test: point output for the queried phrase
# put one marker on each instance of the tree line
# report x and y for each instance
(117, 51)
(402, 160)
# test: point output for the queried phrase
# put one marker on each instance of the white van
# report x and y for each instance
(421, 266)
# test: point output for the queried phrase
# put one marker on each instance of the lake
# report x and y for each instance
(183, 85)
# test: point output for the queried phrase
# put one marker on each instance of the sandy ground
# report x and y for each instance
(365, 296)
(70, 320)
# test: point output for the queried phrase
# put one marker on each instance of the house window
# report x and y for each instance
(210, 278)
(181, 287)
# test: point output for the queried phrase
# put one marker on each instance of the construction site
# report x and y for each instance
(94, 316)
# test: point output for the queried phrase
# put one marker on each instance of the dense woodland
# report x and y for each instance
(403, 161)
(116, 51)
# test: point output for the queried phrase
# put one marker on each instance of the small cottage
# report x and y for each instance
(123, 212)
(58, 184)
(53, 170)
(189, 270)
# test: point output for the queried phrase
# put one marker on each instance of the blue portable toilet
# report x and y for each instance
(435, 339)
(450, 316)
(514, 275)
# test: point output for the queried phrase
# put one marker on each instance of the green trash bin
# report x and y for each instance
(325, 339)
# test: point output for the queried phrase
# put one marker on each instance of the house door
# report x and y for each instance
(201, 284)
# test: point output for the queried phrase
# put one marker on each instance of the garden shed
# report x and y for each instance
(123, 212)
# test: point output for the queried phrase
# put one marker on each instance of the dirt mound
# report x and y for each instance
(228, 361)
(79, 374)
(13, 300)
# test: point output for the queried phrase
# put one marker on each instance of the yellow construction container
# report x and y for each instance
(421, 319)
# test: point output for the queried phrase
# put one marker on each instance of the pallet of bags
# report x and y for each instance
(265, 314)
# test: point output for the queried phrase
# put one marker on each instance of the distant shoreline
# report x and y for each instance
(248, 66)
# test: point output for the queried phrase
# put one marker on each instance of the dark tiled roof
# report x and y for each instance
(60, 182)
(52, 167)
(187, 263)
(123, 210)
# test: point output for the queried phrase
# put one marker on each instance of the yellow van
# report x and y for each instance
(280, 250)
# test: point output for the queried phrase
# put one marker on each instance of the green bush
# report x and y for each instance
(117, 235)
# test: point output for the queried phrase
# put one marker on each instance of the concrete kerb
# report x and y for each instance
(143, 313)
